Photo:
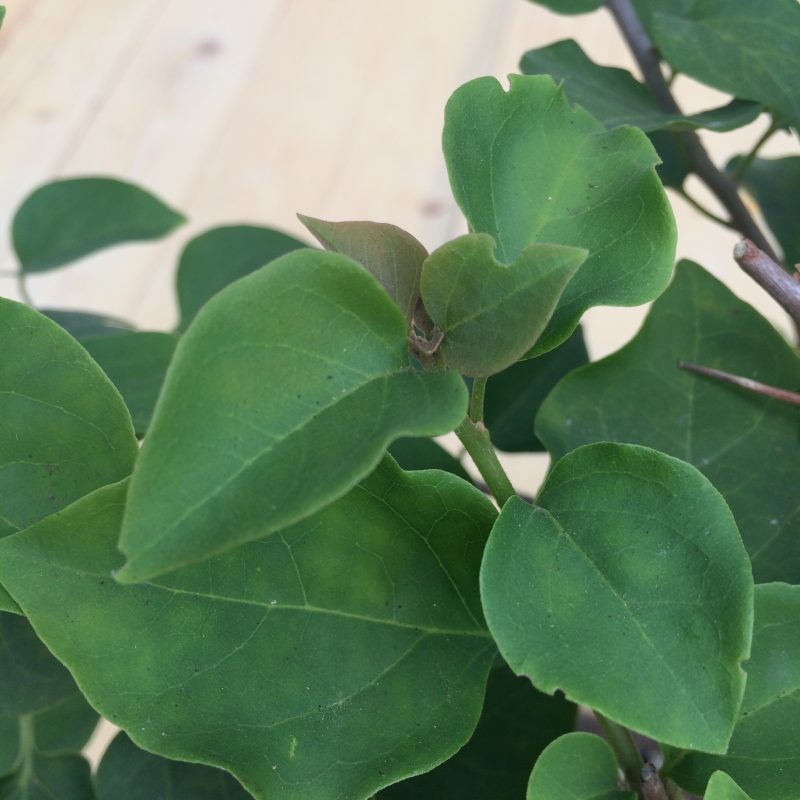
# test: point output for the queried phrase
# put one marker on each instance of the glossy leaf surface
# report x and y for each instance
(525, 166)
(631, 560)
(490, 313)
(517, 723)
(393, 256)
(282, 660)
(744, 443)
(68, 219)
(580, 766)
(136, 363)
(129, 773)
(281, 396)
(615, 97)
(764, 753)
(723, 787)
(220, 256)
(715, 42)
(514, 395)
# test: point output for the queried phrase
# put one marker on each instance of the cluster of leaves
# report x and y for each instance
(205, 541)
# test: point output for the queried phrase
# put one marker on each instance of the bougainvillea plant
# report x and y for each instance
(238, 542)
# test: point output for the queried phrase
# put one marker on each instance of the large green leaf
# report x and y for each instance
(393, 256)
(284, 660)
(281, 396)
(68, 219)
(490, 313)
(220, 256)
(525, 167)
(751, 50)
(744, 443)
(578, 766)
(64, 430)
(615, 97)
(723, 787)
(514, 395)
(136, 363)
(517, 723)
(631, 560)
(774, 183)
(40, 777)
(130, 773)
(764, 753)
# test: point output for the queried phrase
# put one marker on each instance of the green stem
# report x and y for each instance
(475, 438)
(23, 289)
(628, 756)
(705, 212)
(27, 748)
(745, 163)
(476, 399)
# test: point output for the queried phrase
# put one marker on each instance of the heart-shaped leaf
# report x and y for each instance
(283, 394)
(282, 660)
(490, 313)
(393, 256)
(526, 167)
(615, 97)
(723, 787)
(222, 255)
(745, 444)
(633, 561)
(580, 766)
(764, 753)
(68, 219)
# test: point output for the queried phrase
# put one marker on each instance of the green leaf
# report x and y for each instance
(417, 453)
(220, 256)
(490, 313)
(393, 256)
(83, 325)
(632, 561)
(579, 766)
(64, 430)
(675, 166)
(129, 773)
(744, 443)
(68, 219)
(570, 6)
(713, 41)
(517, 723)
(136, 363)
(722, 787)
(513, 396)
(282, 395)
(764, 753)
(774, 184)
(526, 167)
(49, 778)
(283, 660)
(615, 97)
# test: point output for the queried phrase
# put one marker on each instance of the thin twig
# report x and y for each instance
(766, 272)
(747, 160)
(699, 207)
(745, 383)
(722, 185)
(652, 786)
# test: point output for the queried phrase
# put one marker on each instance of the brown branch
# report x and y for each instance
(763, 269)
(745, 383)
(722, 185)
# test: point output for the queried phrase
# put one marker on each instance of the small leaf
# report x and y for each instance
(514, 395)
(633, 561)
(722, 787)
(764, 752)
(220, 256)
(713, 42)
(774, 184)
(526, 167)
(417, 454)
(83, 325)
(570, 6)
(393, 256)
(580, 766)
(282, 660)
(129, 773)
(615, 97)
(63, 777)
(68, 219)
(136, 363)
(490, 313)
(517, 723)
(282, 395)
(744, 443)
